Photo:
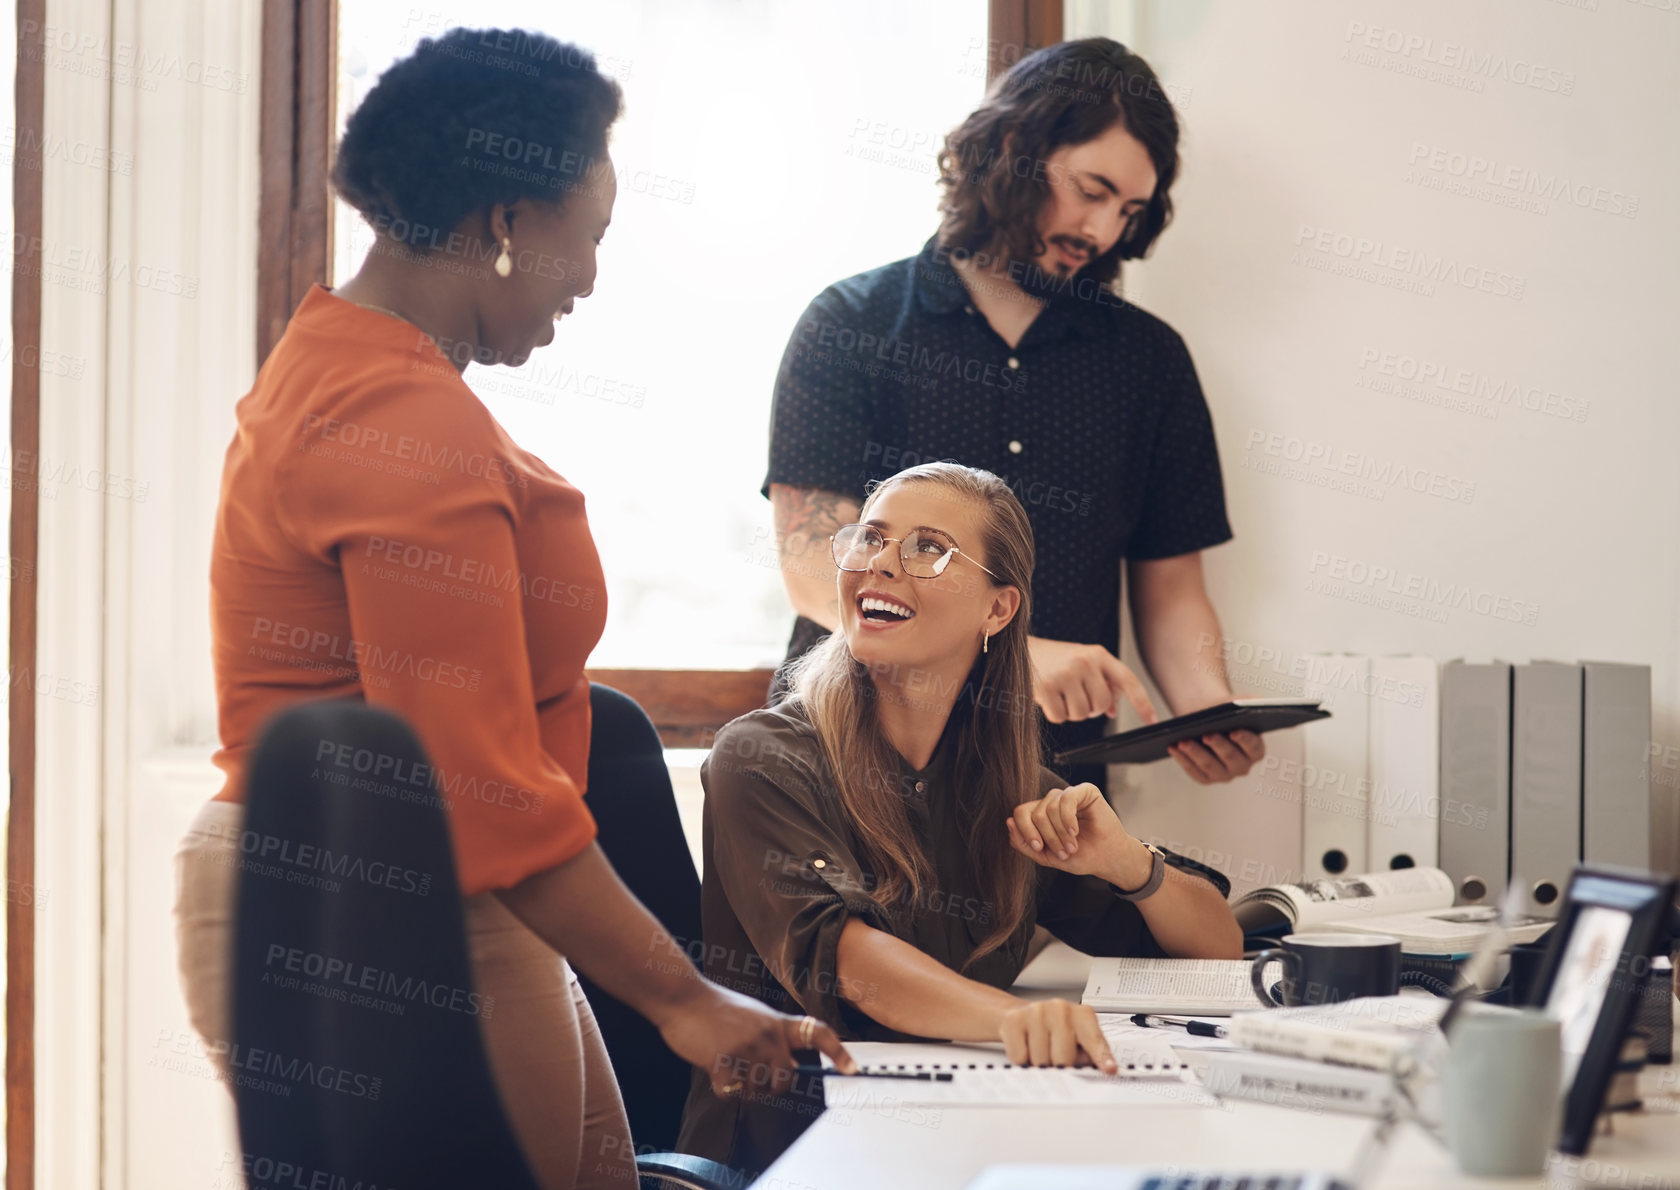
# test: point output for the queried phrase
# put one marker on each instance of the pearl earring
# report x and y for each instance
(504, 262)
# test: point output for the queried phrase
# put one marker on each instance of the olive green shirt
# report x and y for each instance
(782, 876)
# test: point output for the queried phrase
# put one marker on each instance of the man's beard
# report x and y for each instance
(1037, 282)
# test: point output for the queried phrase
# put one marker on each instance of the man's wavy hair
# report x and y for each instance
(993, 170)
(469, 119)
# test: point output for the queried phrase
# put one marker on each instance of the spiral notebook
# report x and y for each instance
(981, 1075)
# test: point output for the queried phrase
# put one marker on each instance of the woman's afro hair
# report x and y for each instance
(472, 118)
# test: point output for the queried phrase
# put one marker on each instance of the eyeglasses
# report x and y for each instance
(925, 553)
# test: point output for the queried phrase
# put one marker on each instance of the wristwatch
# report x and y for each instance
(1157, 873)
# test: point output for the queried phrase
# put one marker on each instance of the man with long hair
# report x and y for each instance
(1002, 345)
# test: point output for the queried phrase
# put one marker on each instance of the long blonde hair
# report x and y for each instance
(996, 760)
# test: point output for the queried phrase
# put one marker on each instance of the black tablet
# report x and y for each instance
(1144, 744)
(1595, 961)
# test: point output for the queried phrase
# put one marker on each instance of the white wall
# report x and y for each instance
(1323, 137)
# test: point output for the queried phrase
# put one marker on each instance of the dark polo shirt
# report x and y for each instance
(782, 875)
(1095, 419)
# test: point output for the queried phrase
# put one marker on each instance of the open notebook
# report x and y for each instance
(1182, 987)
(1150, 1073)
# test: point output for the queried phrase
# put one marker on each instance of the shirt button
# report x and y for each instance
(1013, 362)
(1014, 448)
(968, 309)
(819, 863)
(920, 786)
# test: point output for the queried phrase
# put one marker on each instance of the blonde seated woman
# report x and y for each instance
(879, 847)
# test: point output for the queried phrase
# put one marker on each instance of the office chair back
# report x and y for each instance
(639, 831)
(358, 1057)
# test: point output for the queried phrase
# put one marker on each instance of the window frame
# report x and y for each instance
(298, 103)
(27, 213)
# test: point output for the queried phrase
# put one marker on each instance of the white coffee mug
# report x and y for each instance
(1501, 1091)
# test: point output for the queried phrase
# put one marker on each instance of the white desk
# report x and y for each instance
(857, 1149)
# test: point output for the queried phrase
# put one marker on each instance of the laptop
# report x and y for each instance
(1125, 1177)
(1142, 1177)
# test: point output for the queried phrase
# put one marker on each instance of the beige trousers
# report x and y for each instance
(545, 1051)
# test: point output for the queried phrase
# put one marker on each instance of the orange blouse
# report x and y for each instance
(380, 536)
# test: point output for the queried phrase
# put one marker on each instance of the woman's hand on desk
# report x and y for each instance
(1073, 682)
(1075, 830)
(1055, 1033)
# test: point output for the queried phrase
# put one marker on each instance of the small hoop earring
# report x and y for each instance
(504, 262)
(985, 640)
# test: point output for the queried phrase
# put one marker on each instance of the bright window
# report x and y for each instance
(767, 150)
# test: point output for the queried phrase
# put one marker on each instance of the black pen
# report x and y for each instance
(1194, 1028)
(925, 1076)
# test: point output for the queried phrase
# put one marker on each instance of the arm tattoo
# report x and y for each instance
(805, 519)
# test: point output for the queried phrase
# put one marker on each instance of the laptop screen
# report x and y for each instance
(1583, 977)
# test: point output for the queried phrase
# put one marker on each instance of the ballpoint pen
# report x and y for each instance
(926, 1076)
(1194, 1028)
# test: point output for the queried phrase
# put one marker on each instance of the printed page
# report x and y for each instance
(1192, 987)
(1150, 1074)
